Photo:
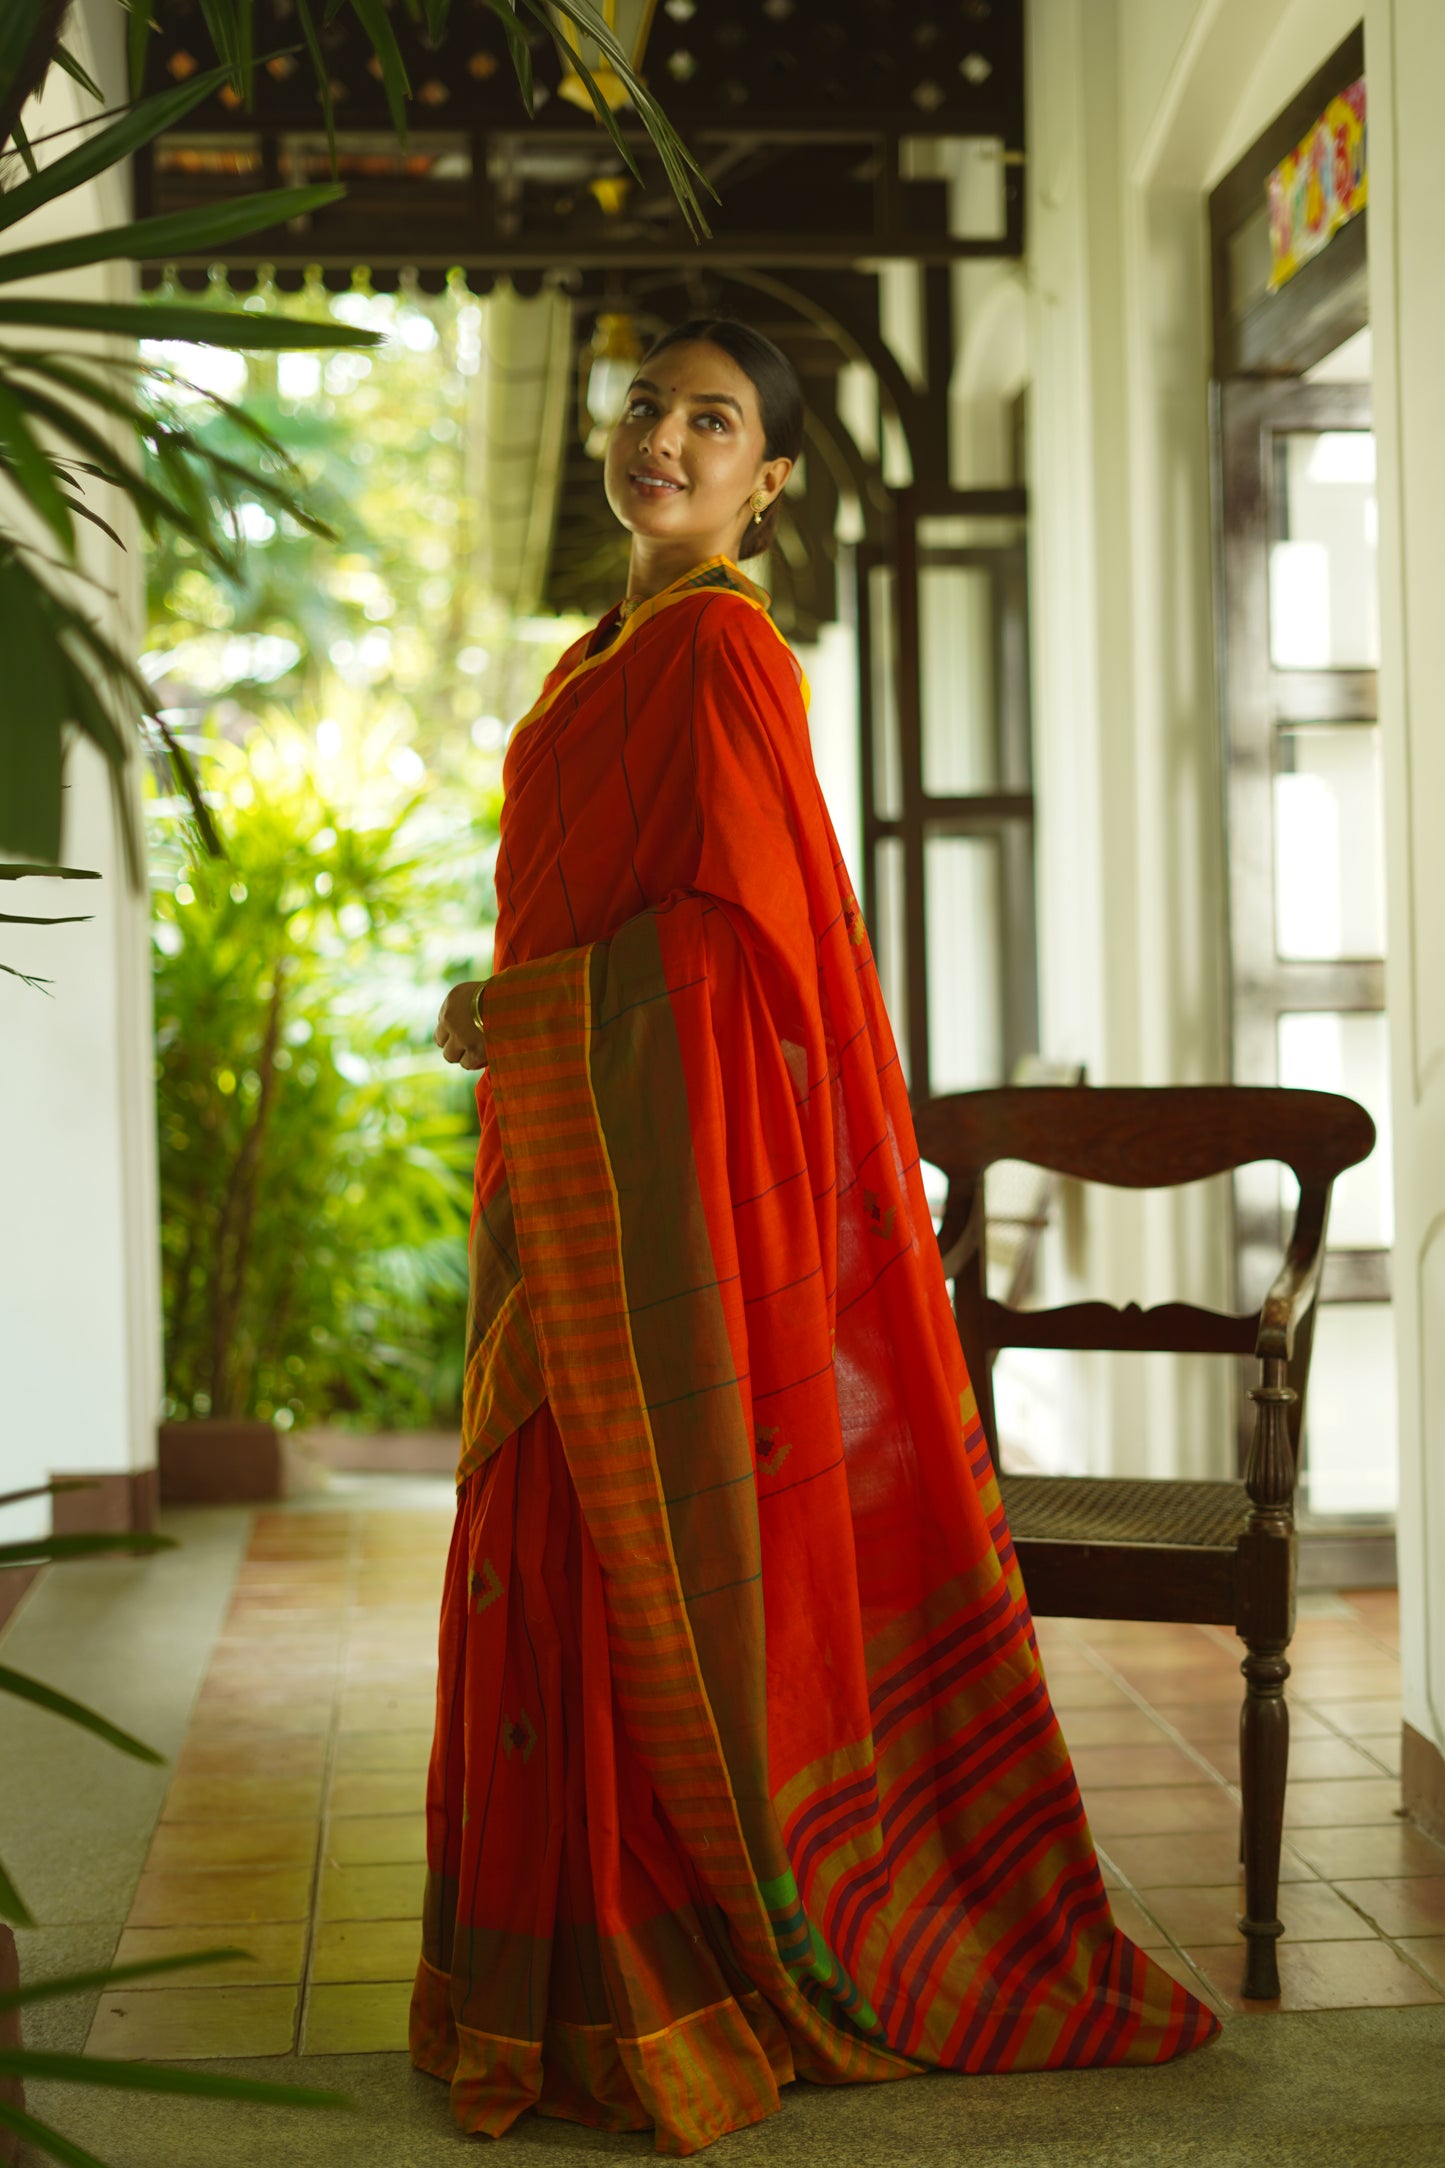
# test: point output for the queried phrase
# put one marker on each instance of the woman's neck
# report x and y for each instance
(654, 565)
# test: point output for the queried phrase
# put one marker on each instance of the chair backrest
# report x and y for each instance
(1139, 1137)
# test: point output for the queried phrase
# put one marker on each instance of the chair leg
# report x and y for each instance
(1263, 1764)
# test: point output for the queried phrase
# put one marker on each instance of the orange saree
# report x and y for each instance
(745, 1766)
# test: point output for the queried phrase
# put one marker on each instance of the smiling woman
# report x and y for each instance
(745, 1767)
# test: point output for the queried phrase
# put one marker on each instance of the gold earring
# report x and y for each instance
(759, 502)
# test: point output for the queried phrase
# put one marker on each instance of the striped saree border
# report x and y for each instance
(540, 1027)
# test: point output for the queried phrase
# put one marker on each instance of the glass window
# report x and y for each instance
(963, 890)
(887, 763)
(1323, 599)
(1349, 1052)
(890, 945)
(960, 710)
(1329, 842)
(1352, 1454)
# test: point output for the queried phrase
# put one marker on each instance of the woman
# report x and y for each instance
(745, 1768)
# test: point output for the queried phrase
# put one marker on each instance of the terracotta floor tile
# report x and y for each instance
(1156, 1811)
(181, 2024)
(281, 1754)
(377, 1792)
(1115, 1766)
(1415, 1906)
(1311, 1912)
(275, 1953)
(365, 1950)
(1367, 1719)
(1201, 1858)
(1382, 1749)
(1132, 1920)
(223, 1896)
(227, 1798)
(372, 1893)
(266, 1712)
(1120, 1724)
(382, 1712)
(1329, 1684)
(1429, 1953)
(184, 1846)
(1309, 1759)
(401, 1752)
(357, 2019)
(1089, 1690)
(1200, 1725)
(1347, 1855)
(376, 1840)
(1193, 1687)
(1341, 1803)
(1323, 1976)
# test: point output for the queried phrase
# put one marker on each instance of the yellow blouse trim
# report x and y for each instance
(690, 583)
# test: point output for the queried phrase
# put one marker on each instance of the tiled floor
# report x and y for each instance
(293, 1827)
(1152, 1715)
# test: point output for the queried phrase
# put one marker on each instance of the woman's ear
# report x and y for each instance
(773, 475)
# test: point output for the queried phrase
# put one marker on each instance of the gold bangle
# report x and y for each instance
(477, 1006)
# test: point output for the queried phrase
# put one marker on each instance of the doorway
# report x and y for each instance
(1296, 535)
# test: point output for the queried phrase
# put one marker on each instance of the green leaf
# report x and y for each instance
(45, 2140)
(84, 1983)
(137, 37)
(32, 718)
(323, 76)
(173, 320)
(65, 59)
(141, 125)
(177, 233)
(36, 985)
(128, 2077)
(75, 1712)
(518, 47)
(12, 1904)
(18, 918)
(31, 469)
(377, 25)
(57, 1482)
(49, 873)
(22, 144)
(134, 1542)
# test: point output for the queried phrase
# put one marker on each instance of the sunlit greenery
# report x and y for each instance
(347, 704)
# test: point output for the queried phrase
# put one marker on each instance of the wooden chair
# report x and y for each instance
(1215, 1553)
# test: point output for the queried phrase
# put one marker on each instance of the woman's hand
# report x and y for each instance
(457, 1033)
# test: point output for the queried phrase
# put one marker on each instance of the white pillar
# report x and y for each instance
(80, 1336)
(1405, 65)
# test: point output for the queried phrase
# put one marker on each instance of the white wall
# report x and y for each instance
(80, 1359)
(1137, 108)
(1405, 60)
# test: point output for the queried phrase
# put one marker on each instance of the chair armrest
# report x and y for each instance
(1297, 1282)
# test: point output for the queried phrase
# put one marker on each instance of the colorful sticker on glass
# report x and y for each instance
(1319, 187)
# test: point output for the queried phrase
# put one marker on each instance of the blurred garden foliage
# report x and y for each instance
(344, 703)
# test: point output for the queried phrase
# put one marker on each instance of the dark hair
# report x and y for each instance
(773, 378)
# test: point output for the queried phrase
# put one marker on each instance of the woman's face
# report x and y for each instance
(689, 452)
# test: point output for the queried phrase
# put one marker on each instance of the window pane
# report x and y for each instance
(965, 962)
(890, 943)
(1352, 1455)
(955, 613)
(1328, 1051)
(1329, 842)
(1323, 598)
(887, 768)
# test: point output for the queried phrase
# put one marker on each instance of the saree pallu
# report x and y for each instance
(745, 1766)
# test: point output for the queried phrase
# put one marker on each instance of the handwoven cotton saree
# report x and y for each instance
(745, 1766)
